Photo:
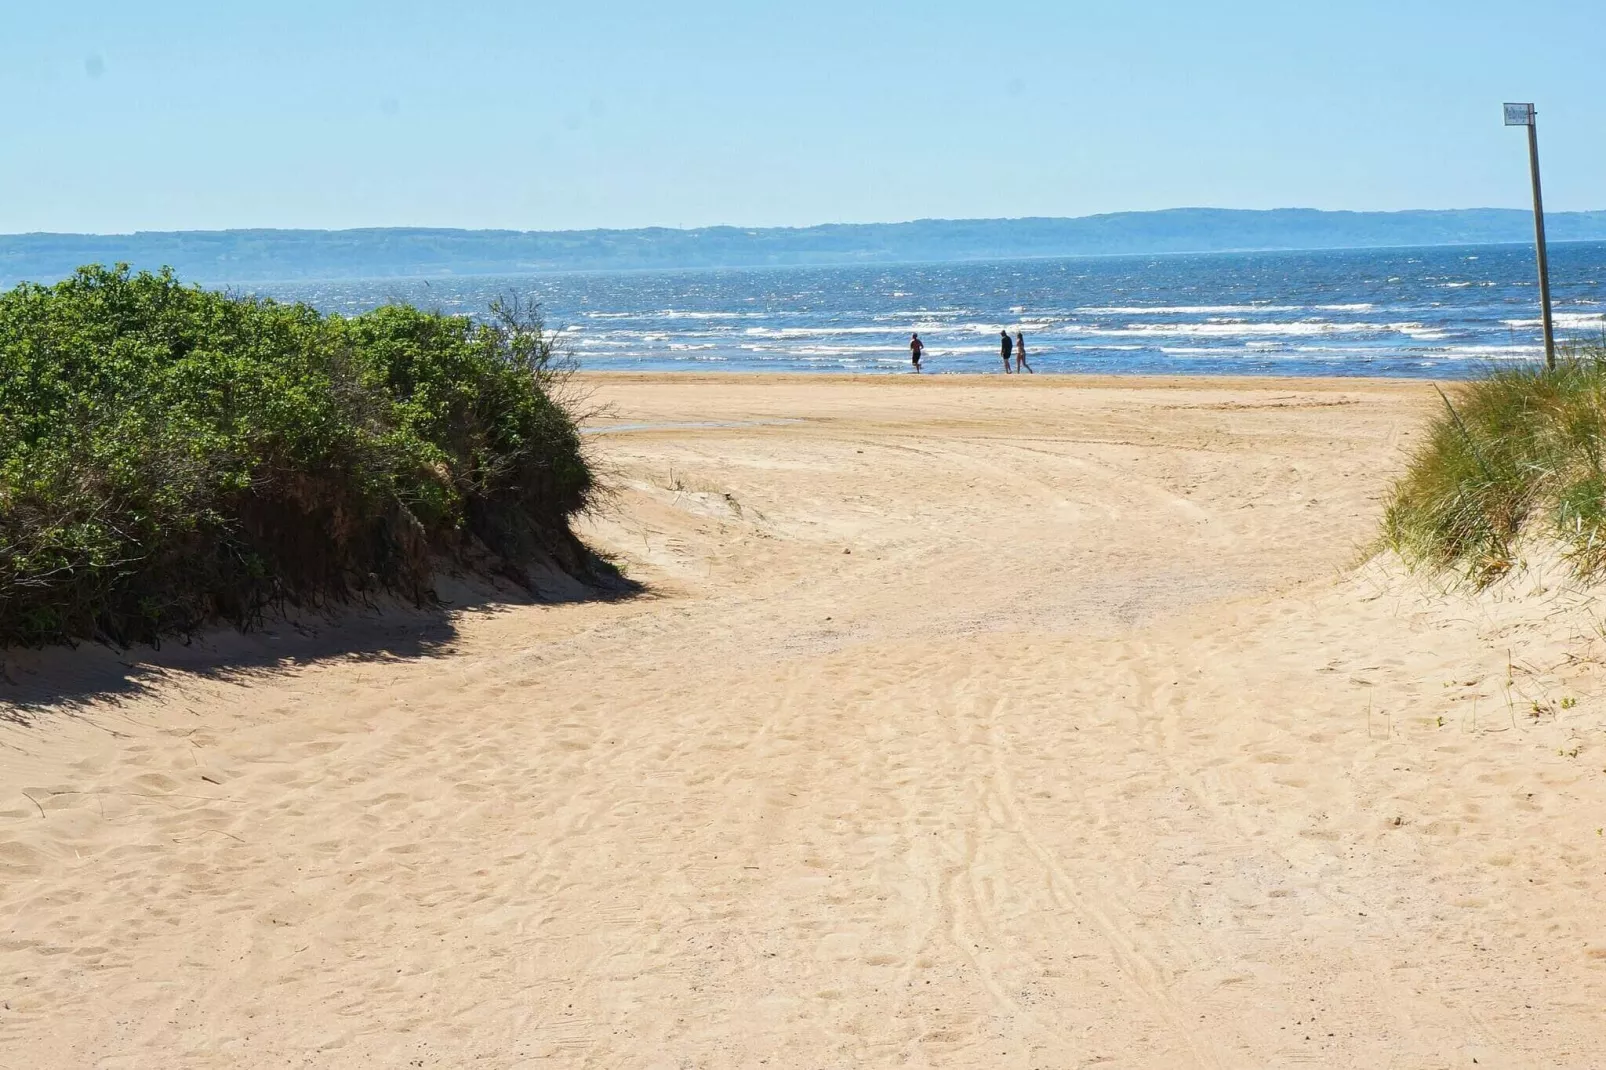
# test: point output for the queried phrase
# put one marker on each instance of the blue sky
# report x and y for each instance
(125, 116)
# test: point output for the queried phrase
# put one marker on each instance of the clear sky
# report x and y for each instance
(173, 114)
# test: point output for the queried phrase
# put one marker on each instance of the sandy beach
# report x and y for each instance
(965, 722)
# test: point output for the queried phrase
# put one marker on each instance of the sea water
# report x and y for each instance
(1439, 312)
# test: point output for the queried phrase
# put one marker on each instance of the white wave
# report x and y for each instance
(677, 314)
(816, 332)
(1358, 351)
(1183, 310)
(949, 350)
(890, 330)
(929, 314)
(1563, 320)
(1215, 310)
(993, 328)
(1295, 329)
(819, 350)
(1497, 351)
(671, 314)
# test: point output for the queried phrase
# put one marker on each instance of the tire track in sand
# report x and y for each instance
(1143, 976)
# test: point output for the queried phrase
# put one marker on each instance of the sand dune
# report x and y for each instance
(969, 723)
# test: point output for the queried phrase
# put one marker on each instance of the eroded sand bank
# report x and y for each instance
(969, 723)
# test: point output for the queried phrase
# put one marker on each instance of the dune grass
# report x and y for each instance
(172, 456)
(1515, 454)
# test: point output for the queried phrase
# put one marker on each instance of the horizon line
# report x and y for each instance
(781, 227)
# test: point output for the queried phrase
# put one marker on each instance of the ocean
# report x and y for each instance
(1442, 312)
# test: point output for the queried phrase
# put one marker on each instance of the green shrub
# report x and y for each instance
(1517, 452)
(171, 456)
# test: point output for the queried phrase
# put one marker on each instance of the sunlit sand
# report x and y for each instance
(968, 722)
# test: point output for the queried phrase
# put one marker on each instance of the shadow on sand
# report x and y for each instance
(63, 679)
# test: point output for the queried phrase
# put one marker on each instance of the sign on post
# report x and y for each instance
(1523, 115)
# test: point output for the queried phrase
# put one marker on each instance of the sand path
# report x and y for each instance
(971, 722)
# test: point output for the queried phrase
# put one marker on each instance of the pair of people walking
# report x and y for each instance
(1018, 346)
(1008, 346)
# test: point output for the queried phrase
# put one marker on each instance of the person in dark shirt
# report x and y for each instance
(916, 347)
(1005, 346)
(1020, 353)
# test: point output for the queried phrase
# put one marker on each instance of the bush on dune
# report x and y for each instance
(1517, 453)
(171, 456)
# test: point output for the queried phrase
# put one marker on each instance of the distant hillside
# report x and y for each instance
(261, 255)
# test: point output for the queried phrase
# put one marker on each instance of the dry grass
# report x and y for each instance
(1517, 453)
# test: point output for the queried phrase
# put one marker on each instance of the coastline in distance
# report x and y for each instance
(231, 256)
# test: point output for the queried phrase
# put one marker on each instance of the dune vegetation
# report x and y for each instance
(172, 456)
(1516, 454)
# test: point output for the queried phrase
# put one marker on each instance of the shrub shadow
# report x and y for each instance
(66, 680)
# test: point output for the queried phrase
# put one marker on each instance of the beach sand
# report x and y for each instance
(968, 722)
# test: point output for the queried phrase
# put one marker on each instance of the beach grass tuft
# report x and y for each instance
(172, 456)
(1517, 453)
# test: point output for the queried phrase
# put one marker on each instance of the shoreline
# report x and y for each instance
(1044, 380)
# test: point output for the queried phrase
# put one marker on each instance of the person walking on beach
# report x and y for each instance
(1005, 346)
(1020, 353)
(916, 347)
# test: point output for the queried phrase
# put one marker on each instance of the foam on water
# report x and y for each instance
(1405, 312)
(1188, 310)
(1564, 321)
